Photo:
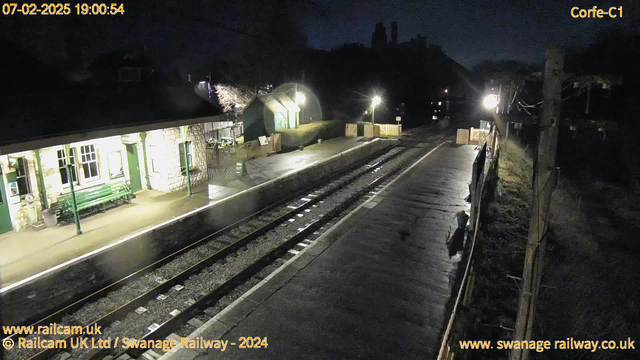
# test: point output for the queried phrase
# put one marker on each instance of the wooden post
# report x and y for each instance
(543, 182)
(506, 141)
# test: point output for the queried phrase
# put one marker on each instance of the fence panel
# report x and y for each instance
(479, 136)
(371, 131)
(390, 130)
(462, 137)
(351, 130)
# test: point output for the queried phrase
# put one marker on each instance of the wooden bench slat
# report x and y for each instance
(94, 196)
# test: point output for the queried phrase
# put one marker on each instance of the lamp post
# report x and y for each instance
(376, 100)
(74, 203)
(185, 147)
(446, 92)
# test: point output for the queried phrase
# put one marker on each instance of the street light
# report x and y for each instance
(446, 91)
(376, 100)
(490, 101)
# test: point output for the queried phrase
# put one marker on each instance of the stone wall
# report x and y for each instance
(163, 147)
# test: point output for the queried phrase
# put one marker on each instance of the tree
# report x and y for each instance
(233, 98)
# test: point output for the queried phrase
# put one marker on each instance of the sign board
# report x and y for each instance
(241, 169)
(130, 139)
(13, 189)
(263, 140)
(398, 118)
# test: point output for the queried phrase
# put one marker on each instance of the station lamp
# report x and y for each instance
(300, 98)
(490, 101)
(376, 100)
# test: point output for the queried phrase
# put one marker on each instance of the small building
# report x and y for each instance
(267, 114)
(132, 135)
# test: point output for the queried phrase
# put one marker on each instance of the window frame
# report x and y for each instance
(129, 74)
(23, 165)
(119, 174)
(86, 159)
(74, 166)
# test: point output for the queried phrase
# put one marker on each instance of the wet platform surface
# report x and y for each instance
(375, 286)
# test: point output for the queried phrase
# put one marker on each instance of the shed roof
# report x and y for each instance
(277, 102)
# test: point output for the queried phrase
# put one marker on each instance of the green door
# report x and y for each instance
(5, 218)
(134, 167)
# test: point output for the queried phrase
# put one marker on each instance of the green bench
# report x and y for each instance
(94, 196)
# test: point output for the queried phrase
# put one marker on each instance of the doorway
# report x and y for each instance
(134, 167)
(5, 217)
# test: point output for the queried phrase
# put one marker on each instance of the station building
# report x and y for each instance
(269, 113)
(132, 136)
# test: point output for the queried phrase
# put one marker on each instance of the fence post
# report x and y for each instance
(543, 179)
(472, 193)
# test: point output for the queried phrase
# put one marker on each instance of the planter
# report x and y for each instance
(49, 217)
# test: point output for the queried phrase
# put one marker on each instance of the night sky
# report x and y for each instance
(468, 31)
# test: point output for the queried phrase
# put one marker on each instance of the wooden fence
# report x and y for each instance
(371, 131)
(390, 129)
(462, 137)
(475, 136)
(351, 130)
(478, 136)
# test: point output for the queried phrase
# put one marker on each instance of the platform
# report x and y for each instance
(26, 253)
(375, 285)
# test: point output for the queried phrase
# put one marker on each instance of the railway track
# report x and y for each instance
(173, 292)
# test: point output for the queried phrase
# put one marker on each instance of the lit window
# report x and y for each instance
(181, 149)
(114, 160)
(22, 175)
(129, 74)
(89, 162)
(62, 165)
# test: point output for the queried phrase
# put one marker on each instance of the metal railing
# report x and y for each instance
(482, 171)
